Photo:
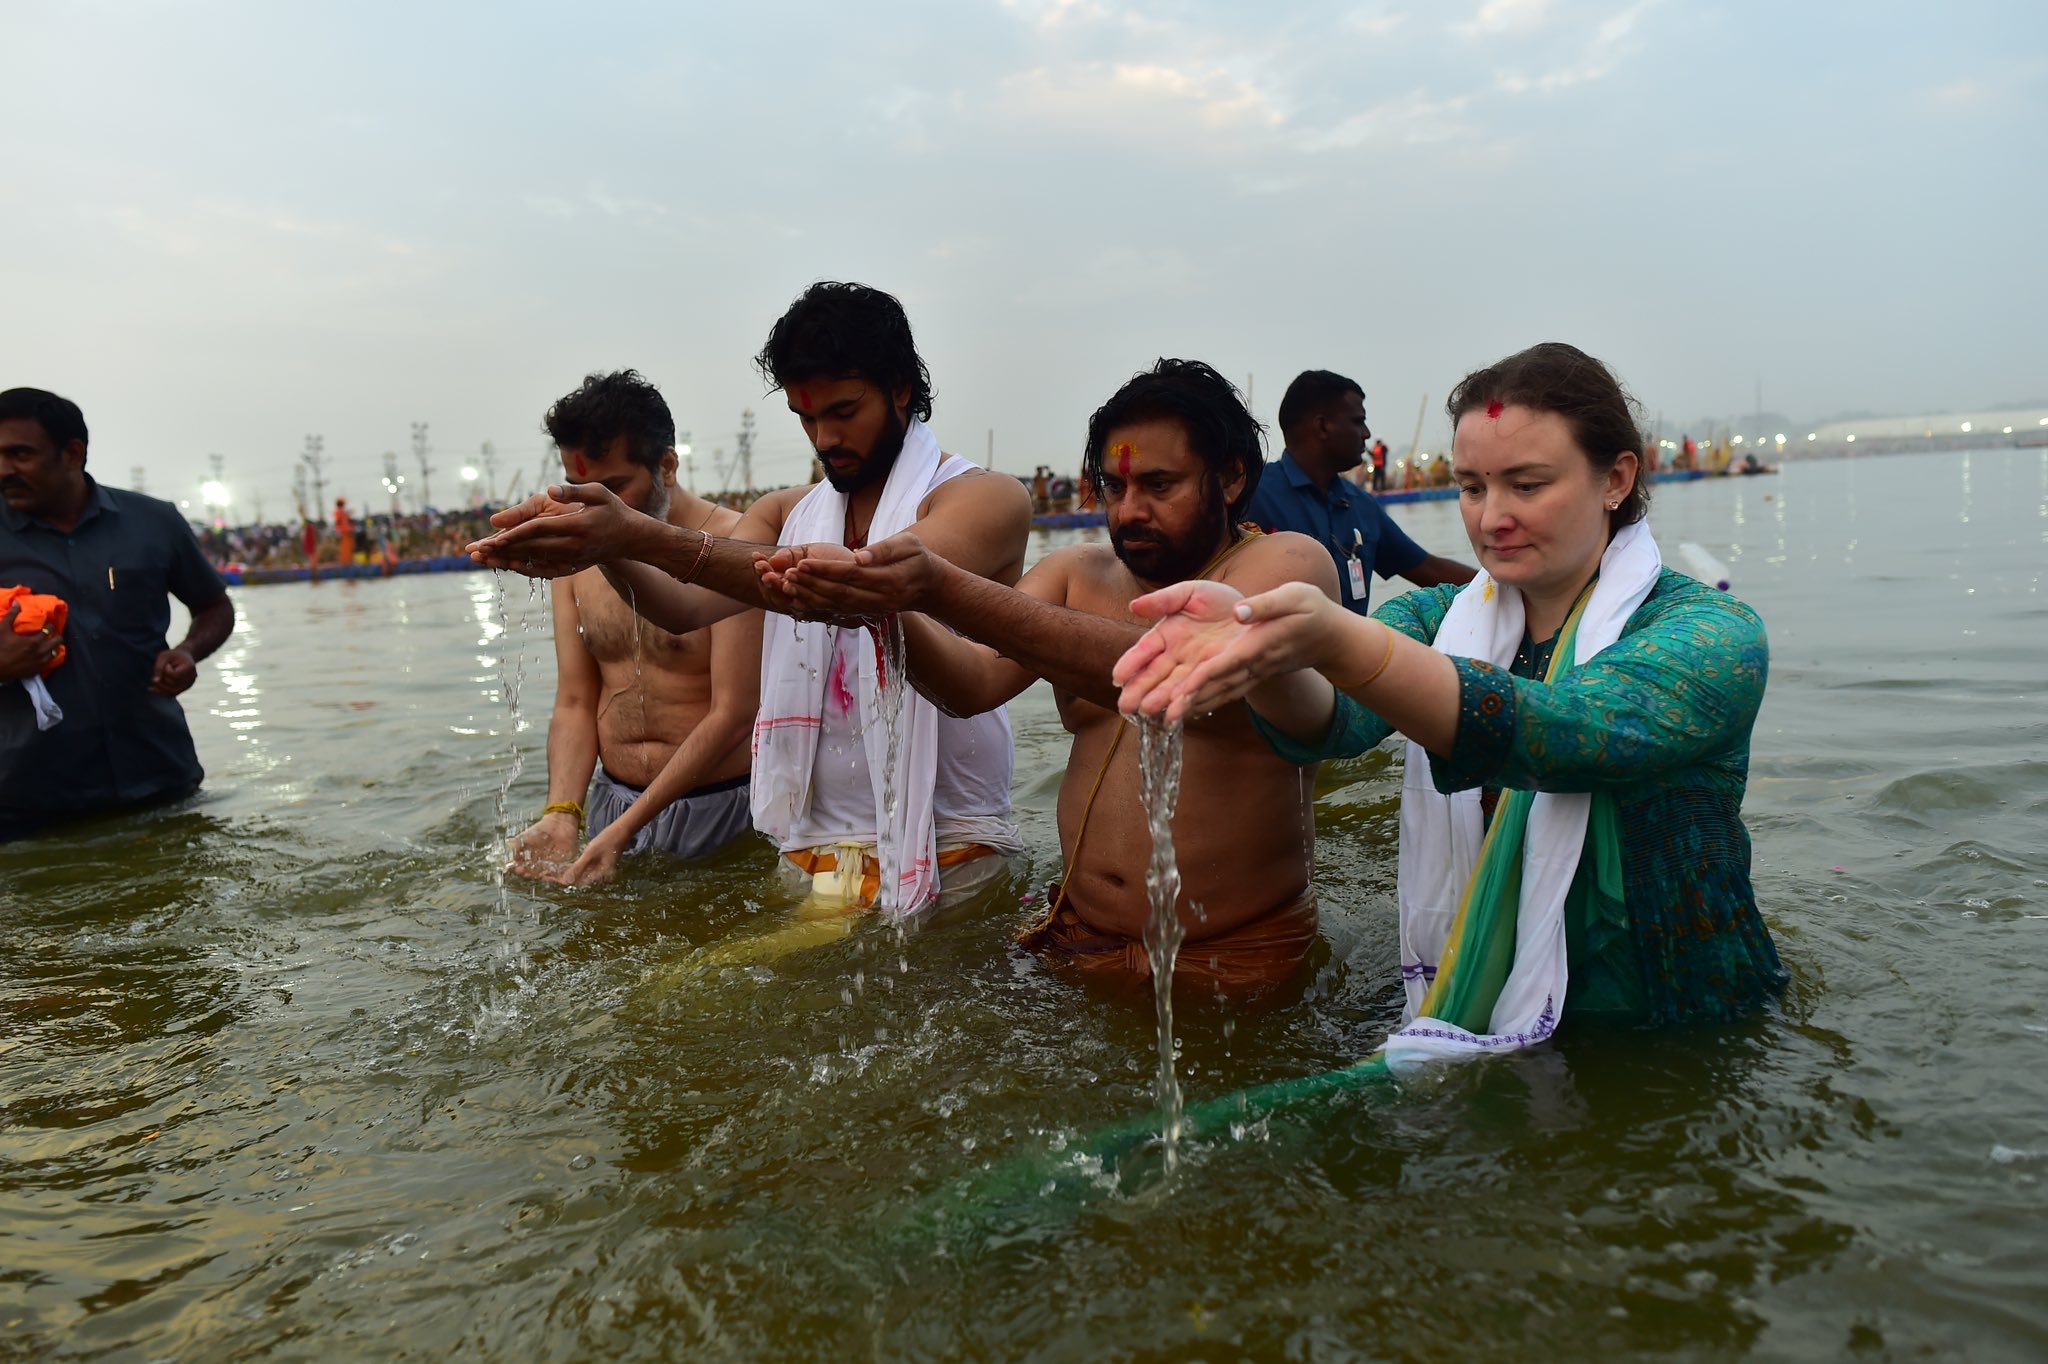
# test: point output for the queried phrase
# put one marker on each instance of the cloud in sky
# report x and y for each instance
(237, 223)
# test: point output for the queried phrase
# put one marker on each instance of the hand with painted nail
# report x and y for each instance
(1211, 646)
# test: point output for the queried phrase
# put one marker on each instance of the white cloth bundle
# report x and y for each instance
(48, 712)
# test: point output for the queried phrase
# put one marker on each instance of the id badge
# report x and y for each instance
(1357, 572)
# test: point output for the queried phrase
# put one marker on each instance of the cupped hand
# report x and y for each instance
(891, 575)
(1211, 647)
(543, 850)
(173, 673)
(564, 530)
(598, 864)
(784, 573)
(1194, 620)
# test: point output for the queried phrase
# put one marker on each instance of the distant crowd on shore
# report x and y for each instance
(344, 539)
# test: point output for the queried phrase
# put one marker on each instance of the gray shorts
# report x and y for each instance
(697, 823)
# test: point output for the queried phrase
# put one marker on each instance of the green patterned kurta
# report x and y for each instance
(1660, 720)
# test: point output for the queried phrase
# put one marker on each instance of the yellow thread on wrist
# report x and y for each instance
(565, 807)
(1369, 678)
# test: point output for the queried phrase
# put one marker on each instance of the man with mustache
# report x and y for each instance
(1174, 458)
(650, 727)
(870, 807)
(115, 559)
(1311, 489)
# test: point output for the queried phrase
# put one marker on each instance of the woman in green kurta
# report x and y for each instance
(1661, 924)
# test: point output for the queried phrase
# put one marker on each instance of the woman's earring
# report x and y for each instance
(1613, 506)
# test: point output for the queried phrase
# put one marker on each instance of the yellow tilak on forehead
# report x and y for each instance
(1123, 452)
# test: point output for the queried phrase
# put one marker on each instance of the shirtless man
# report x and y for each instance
(668, 715)
(1174, 458)
(844, 358)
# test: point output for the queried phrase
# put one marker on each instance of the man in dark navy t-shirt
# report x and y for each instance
(1322, 419)
(116, 559)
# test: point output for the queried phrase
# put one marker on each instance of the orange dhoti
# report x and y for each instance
(1262, 951)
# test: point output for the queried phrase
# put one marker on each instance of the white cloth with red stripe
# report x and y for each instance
(795, 668)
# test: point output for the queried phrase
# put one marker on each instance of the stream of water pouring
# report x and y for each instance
(511, 678)
(891, 691)
(1159, 753)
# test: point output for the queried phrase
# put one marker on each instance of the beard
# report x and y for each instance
(876, 463)
(657, 499)
(1163, 559)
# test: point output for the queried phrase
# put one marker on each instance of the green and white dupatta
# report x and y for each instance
(1483, 910)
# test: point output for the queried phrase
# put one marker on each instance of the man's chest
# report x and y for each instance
(109, 586)
(614, 632)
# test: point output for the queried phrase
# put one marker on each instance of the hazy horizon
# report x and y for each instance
(237, 224)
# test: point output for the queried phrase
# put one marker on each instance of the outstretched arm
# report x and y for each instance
(978, 521)
(1407, 683)
(1036, 635)
(957, 675)
(678, 578)
(1032, 631)
(1075, 650)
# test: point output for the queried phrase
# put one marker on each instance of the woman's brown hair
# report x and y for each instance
(1604, 420)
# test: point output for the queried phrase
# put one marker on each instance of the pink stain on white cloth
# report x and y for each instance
(842, 695)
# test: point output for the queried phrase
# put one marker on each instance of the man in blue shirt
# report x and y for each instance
(116, 559)
(1322, 419)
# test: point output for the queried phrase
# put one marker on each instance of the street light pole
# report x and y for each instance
(420, 451)
(316, 466)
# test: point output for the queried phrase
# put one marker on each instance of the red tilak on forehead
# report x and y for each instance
(582, 469)
(803, 399)
(1494, 409)
(1123, 450)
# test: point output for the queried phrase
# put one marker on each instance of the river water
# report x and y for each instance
(282, 1077)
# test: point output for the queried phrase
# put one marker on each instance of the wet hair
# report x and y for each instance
(839, 331)
(59, 417)
(1554, 377)
(1311, 392)
(608, 406)
(1220, 429)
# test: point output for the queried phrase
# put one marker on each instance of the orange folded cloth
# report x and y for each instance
(38, 611)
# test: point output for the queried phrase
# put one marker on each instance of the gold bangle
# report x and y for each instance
(565, 807)
(1371, 677)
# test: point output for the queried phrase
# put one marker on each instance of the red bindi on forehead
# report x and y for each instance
(1495, 408)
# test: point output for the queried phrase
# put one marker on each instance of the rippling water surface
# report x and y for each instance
(285, 1075)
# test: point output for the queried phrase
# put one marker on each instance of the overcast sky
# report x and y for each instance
(232, 224)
